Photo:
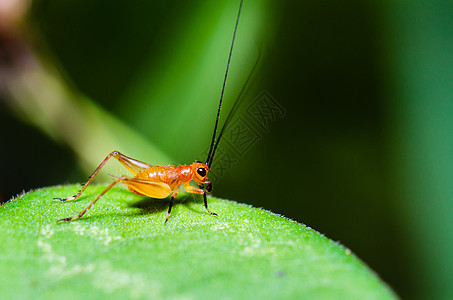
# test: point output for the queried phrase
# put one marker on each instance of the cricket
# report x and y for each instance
(162, 181)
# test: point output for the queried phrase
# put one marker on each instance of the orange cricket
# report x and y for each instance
(152, 181)
(163, 181)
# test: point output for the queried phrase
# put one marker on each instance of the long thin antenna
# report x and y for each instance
(232, 111)
(223, 86)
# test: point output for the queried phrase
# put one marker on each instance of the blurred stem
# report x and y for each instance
(36, 92)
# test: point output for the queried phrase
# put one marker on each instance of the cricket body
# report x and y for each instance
(163, 181)
(152, 181)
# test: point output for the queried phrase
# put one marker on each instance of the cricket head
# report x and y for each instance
(200, 175)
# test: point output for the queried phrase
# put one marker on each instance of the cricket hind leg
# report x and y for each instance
(152, 189)
(80, 214)
(133, 165)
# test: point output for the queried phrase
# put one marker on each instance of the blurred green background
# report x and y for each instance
(363, 154)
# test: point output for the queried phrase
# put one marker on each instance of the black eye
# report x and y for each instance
(201, 172)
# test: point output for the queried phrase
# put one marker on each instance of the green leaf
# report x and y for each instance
(121, 248)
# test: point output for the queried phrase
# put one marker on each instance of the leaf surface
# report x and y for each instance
(122, 249)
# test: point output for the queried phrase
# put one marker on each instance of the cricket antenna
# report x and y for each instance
(212, 149)
(233, 110)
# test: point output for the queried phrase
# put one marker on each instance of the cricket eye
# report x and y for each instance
(201, 172)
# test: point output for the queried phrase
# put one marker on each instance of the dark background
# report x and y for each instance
(363, 153)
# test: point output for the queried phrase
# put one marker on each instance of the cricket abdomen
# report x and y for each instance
(174, 176)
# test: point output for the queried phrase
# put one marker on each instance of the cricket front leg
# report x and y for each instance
(206, 205)
(191, 189)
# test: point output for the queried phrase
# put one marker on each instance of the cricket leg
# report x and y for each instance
(152, 189)
(94, 201)
(191, 189)
(173, 195)
(206, 205)
(135, 166)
